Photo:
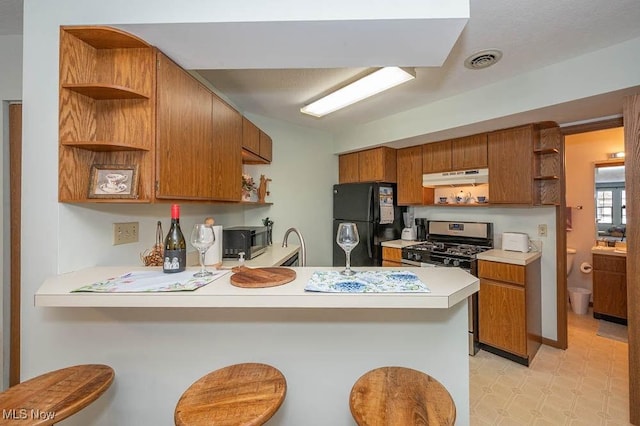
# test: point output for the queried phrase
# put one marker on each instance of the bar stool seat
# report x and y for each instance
(400, 396)
(241, 394)
(56, 395)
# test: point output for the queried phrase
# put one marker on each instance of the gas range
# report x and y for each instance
(451, 244)
(442, 254)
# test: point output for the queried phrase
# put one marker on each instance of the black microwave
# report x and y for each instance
(252, 240)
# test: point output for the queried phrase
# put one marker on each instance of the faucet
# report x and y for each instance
(303, 251)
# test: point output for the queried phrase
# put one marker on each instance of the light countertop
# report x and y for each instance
(448, 286)
(512, 257)
(609, 251)
(399, 243)
(275, 255)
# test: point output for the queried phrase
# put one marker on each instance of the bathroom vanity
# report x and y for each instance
(609, 284)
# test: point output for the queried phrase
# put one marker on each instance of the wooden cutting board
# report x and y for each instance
(261, 277)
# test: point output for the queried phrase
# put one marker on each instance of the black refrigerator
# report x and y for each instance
(373, 207)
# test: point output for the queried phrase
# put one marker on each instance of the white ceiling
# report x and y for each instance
(531, 34)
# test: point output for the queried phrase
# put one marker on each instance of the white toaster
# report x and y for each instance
(515, 241)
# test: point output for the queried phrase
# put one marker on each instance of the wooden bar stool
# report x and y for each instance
(54, 396)
(400, 396)
(241, 394)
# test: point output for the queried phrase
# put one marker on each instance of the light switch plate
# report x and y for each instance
(125, 233)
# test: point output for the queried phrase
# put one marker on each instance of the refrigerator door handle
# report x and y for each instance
(369, 209)
(370, 204)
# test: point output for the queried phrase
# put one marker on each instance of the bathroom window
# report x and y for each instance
(610, 200)
(604, 207)
(611, 212)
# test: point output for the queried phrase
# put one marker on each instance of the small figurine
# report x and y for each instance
(262, 189)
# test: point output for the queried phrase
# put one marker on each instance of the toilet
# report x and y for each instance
(571, 254)
(579, 297)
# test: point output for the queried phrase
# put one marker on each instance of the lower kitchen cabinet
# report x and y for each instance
(391, 256)
(509, 309)
(610, 288)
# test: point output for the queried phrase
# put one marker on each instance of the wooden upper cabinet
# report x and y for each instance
(409, 166)
(510, 158)
(348, 168)
(436, 157)
(250, 136)
(377, 165)
(256, 144)
(371, 165)
(266, 146)
(184, 135)
(469, 152)
(106, 109)
(227, 143)
(124, 102)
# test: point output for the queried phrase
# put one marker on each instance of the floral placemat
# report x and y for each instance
(150, 281)
(366, 282)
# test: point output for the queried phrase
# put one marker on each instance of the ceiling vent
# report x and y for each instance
(483, 59)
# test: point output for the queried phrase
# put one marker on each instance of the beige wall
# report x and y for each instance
(582, 150)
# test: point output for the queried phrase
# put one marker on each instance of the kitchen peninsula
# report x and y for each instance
(159, 344)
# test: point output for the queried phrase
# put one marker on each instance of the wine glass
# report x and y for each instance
(202, 238)
(347, 238)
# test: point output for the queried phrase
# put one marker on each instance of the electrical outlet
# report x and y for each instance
(542, 230)
(125, 233)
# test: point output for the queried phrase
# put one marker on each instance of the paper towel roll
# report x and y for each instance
(586, 267)
(214, 254)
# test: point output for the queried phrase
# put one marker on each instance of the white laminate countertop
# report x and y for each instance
(609, 251)
(513, 257)
(399, 243)
(448, 286)
(275, 255)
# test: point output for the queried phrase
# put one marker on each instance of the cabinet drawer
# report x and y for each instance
(392, 253)
(502, 272)
(603, 262)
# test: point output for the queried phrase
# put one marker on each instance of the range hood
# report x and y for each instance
(462, 177)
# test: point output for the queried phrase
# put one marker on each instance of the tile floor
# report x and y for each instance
(587, 384)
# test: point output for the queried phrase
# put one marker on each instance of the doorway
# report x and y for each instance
(592, 217)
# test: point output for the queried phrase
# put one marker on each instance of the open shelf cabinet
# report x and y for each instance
(548, 166)
(107, 109)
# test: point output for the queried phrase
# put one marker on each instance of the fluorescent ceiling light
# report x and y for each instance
(376, 82)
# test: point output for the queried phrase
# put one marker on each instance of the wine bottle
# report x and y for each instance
(175, 247)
